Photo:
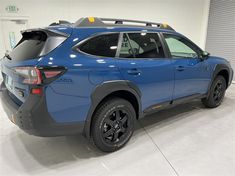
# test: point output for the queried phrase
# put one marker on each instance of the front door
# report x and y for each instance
(192, 74)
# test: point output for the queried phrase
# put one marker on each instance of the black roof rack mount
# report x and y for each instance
(61, 22)
(95, 21)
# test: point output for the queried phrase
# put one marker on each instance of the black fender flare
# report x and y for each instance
(105, 89)
(217, 69)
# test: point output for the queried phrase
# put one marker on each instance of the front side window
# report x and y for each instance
(141, 45)
(102, 45)
(179, 47)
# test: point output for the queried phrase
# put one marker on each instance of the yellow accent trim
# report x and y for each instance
(165, 25)
(156, 107)
(91, 19)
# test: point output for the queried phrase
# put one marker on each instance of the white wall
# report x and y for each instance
(188, 17)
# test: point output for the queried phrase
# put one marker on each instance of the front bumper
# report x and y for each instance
(32, 116)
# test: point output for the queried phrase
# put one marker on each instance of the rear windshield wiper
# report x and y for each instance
(8, 56)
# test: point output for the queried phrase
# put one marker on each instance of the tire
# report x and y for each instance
(216, 94)
(113, 124)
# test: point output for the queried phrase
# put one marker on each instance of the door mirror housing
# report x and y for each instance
(205, 55)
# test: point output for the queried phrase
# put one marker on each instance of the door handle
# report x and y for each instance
(180, 68)
(134, 71)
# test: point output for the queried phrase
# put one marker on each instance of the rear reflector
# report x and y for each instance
(36, 91)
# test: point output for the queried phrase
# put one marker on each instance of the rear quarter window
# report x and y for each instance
(102, 45)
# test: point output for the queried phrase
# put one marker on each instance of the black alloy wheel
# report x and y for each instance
(217, 92)
(116, 126)
(113, 124)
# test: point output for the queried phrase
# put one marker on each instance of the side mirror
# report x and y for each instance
(205, 55)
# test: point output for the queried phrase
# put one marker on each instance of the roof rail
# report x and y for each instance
(95, 21)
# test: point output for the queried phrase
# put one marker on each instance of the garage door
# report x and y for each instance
(221, 30)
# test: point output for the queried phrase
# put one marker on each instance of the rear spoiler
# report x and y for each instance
(49, 32)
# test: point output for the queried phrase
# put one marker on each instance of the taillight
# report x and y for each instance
(31, 75)
(51, 73)
(36, 76)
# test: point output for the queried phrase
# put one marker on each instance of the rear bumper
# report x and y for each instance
(32, 116)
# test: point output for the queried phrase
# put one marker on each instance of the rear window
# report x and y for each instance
(35, 44)
(103, 45)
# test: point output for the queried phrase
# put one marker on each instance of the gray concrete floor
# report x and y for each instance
(187, 140)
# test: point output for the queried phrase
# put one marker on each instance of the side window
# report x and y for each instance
(141, 45)
(102, 45)
(125, 50)
(179, 47)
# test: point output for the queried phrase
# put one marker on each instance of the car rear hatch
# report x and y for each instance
(19, 67)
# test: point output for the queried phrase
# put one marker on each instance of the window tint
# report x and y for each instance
(30, 46)
(35, 44)
(141, 45)
(179, 47)
(126, 50)
(103, 45)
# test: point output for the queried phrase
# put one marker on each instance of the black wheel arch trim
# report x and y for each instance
(218, 68)
(105, 89)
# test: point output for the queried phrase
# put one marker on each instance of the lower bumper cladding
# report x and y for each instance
(32, 116)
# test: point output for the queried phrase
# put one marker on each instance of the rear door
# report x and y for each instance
(142, 61)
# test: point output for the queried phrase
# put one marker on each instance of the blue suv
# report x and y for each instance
(98, 75)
